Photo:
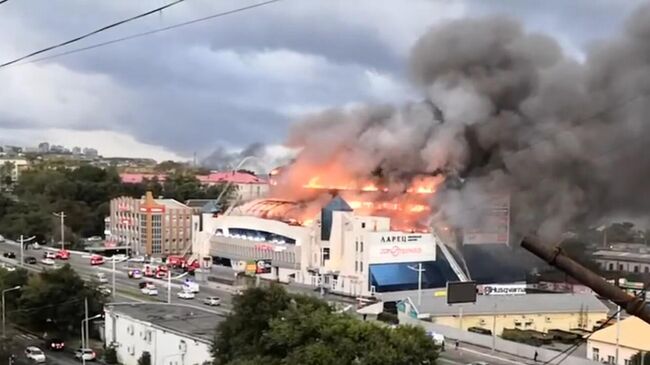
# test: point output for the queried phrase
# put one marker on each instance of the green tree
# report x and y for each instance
(273, 327)
(53, 301)
(145, 359)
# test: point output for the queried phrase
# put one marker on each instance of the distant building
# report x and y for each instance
(43, 147)
(30, 150)
(150, 226)
(57, 149)
(633, 338)
(76, 150)
(539, 312)
(172, 334)
(137, 178)
(249, 186)
(635, 261)
(16, 165)
(90, 152)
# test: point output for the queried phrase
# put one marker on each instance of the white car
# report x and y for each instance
(49, 255)
(47, 261)
(35, 354)
(212, 301)
(185, 294)
(104, 290)
(137, 259)
(149, 291)
(438, 339)
(101, 278)
(191, 286)
(7, 267)
(85, 354)
(36, 246)
(119, 257)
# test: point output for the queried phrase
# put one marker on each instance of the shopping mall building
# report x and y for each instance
(339, 250)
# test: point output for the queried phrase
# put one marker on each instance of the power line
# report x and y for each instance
(158, 30)
(91, 33)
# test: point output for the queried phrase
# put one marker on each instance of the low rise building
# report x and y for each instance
(494, 313)
(174, 334)
(633, 261)
(633, 337)
(14, 166)
(154, 227)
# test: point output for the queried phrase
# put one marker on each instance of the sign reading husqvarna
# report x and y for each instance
(396, 247)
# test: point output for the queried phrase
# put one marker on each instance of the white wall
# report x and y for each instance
(133, 337)
(605, 350)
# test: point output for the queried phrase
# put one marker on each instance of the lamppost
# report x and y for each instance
(420, 270)
(115, 262)
(3, 308)
(62, 216)
(22, 248)
(85, 339)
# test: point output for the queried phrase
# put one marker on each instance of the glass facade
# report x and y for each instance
(156, 236)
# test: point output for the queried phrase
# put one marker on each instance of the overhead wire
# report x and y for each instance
(149, 32)
(76, 39)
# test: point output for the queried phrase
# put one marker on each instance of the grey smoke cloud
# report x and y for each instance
(566, 140)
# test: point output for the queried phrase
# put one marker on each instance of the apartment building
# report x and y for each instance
(148, 226)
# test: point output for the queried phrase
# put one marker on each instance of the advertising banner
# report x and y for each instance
(263, 267)
(493, 225)
(502, 289)
(399, 247)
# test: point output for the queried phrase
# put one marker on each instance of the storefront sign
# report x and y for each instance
(513, 289)
(398, 247)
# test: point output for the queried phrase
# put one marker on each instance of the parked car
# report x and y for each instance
(47, 261)
(31, 260)
(55, 344)
(212, 301)
(85, 354)
(480, 330)
(9, 255)
(35, 354)
(49, 255)
(185, 294)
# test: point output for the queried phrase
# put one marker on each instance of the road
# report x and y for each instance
(128, 291)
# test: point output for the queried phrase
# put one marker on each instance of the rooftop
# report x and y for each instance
(634, 334)
(233, 177)
(514, 304)
(188, 320)
(622, 255)
(171, 203)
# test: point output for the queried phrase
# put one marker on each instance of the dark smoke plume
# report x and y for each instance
(265, 159)
(506, 112)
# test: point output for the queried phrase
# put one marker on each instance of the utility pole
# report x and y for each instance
(420, 270)
(62, 217)
(618, 330)
(494, 328)
(86, 328)
(22, 248)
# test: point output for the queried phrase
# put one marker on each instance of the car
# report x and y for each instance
(97, 260)
(36, 246)
(134, 274)
(478, 363)
(104, 290)
(212, 301)
(49, 255)
(35, 354)
(438, 339)
(9, 255)
(191, 286)
(55, 344)
(151, 291)
(137, 259)
(101, 278)
(31, 260)
(2, 239)
(62, 255)
(185, 294)
(85, 354)
(119, 257)
(7, 266)
(47, 261)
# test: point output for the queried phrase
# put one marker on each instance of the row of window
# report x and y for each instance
(621, 267)
(358, 266)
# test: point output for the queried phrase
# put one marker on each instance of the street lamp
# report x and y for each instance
(22, 248)
(85, 340)
(420, 270)
(115, 262)
(17, 287)
(62, 216)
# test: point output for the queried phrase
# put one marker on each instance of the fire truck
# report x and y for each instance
(159, 271)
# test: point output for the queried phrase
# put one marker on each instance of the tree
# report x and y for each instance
(145, 359)
(53, 301)
(273, 327)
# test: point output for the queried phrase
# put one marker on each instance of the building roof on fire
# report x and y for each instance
(514, 304)
(193, 322)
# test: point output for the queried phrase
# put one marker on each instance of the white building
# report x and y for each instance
(338, 250)
(173, 334)
(632, 339)
(16, 165)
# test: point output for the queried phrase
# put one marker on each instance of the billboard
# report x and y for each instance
(398, 247)
(502, 289)
(461, 292)
(263, 267)
(493, 224)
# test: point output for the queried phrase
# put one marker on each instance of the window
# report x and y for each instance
(636, 268)
(620, 267)
(647, 269)
(596, 354)
(611, 267)
(363, 224)
(356, 246)
(628, 362)
(356, 266)
(361, 246)
(326, 253)
(360, 266)
(611, 359)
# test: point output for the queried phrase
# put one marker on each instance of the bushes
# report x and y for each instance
(387, 317)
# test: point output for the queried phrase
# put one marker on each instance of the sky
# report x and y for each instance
(234, 80)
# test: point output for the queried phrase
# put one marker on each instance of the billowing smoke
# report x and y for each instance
(506, 112)
(262, 159)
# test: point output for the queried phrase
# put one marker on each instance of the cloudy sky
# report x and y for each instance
(233, 80)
